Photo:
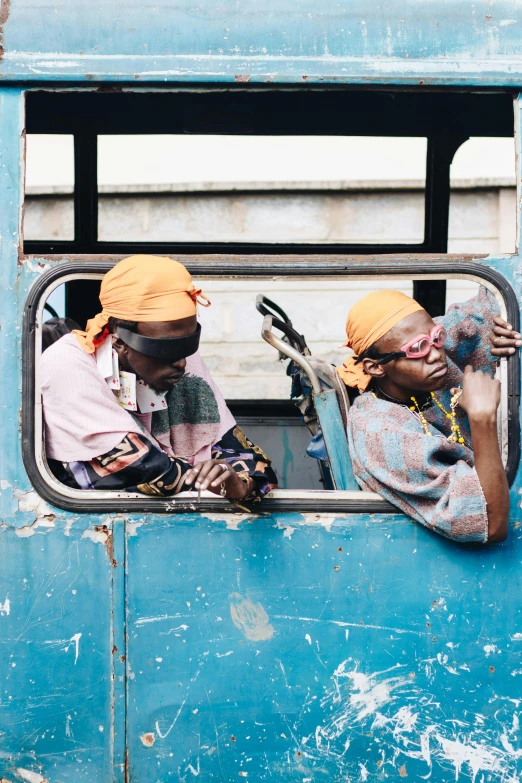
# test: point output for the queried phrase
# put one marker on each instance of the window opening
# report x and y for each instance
(253, 379)
(261, 189)
(49, 187)
(483, 197)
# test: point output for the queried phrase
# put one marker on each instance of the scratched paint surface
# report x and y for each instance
(425, 41)
(285, 648)
(55, 653)
(364, 652)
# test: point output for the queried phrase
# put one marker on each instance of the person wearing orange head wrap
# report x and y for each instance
(130, 405)
(369, 320)
(422, 433)
(144, 289)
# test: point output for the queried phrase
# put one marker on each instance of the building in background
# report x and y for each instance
(274, 189)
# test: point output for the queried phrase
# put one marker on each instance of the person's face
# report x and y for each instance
(160, 374)
(426, 374)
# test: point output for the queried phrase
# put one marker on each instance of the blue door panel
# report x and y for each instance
(274, 654)
(56, 716)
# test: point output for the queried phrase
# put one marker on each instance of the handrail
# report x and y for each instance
(276, 342)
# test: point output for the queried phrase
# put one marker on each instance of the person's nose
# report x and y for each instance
(435, 355)
(180, 364)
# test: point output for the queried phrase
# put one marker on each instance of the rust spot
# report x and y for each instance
(428, 625)
(379, 764)
(402, 771)
(242, 77)
(412, 675)
(488, 17)
(434, 639)
(148, 739)
(114, 649)
(122, 658)
(232, 738)
(109, 542)
(299, 753)
(340, 549)
(336, 568)
(305, 78)
(88, 75)
(5, 7)
(136, 76)
(492, 669)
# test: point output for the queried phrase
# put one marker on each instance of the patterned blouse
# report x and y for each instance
(430, 479)
(137, 465)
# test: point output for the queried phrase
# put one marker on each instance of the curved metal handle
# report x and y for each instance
(264, 305)
(276, 342)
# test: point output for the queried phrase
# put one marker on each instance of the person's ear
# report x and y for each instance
(119, 346)
(372, 368)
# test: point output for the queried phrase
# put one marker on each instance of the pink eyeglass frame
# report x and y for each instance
(436, 337)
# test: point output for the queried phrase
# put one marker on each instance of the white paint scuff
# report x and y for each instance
(250, 618)
(30, 776)
(76, 641)
(32, 503)
(5, 608)
(409, 723)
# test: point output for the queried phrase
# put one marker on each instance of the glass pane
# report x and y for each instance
(49, 187)
(305, 189)
(482, 215)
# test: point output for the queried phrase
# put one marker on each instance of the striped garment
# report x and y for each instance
(430, 479)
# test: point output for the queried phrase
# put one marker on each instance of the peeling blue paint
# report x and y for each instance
(285, 647)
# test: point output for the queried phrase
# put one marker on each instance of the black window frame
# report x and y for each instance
(254, 267)
(446, 118)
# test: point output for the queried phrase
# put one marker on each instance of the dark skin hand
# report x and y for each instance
(215, 472)
(163, 375)
(504, 340)
(480, 398)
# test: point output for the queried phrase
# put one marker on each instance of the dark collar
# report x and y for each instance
(424, 400)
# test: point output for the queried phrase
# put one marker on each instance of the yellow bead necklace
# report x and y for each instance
(456, 434)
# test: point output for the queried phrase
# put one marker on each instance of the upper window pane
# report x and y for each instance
(274, 189)
(482, 216)
(49, 187)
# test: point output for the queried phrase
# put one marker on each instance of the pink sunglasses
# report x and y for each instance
(418, 347)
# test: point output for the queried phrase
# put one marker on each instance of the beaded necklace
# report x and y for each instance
(456, 434)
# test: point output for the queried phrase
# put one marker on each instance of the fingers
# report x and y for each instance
(210, 473)
(222, 475)
(499, 321)
(503, 339)
(468, 370)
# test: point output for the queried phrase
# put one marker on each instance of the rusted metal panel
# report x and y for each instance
(421, 43)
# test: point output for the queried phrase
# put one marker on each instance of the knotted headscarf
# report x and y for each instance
(142, 288)
(369, 320)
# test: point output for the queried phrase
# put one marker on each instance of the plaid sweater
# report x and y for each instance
(430, 479)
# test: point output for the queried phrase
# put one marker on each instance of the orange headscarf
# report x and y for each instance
(142, 288)
(369, 320)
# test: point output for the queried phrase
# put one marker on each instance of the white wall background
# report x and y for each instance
(362, 189)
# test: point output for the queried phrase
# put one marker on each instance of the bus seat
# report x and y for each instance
(322, 397)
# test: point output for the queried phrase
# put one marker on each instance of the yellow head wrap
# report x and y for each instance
(142, 288)
(369, 320)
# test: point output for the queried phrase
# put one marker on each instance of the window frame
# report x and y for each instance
(446, 119)
(433, 268)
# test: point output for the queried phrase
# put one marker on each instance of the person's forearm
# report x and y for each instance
(492, 477)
